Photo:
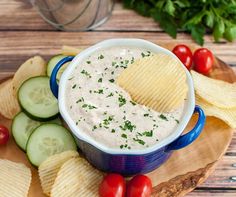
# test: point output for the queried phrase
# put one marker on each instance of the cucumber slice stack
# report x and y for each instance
(37, 100)
(23, 126)
(37, 130)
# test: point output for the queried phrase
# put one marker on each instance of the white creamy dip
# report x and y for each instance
(104, 111)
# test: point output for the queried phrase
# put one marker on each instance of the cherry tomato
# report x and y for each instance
(203, 60)
(113, 185)
(4, 135)
(139, 186)
(184, 54)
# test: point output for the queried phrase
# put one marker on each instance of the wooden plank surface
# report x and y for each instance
(24, 34)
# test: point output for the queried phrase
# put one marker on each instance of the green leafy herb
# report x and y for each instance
(88, 62)
(113, 130)
(74, 86)
(145, 115)
(195, 17)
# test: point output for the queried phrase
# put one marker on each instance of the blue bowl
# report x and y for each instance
(127, 162)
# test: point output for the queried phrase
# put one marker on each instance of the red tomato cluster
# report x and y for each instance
(113, 185)
(202, 59)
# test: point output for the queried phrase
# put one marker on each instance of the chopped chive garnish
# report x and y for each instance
(74, 86)
(94, 127)
(124, 135)
(70, 78)
(100, 80)
(145, 115)
(132, 60)
(100, 91)
(111, 94)
(80, 100)
(132, 102)
(139, 141)
(113, 130)
(113, 63)
(112, 72)
(148, 133)
(89, 106)
(85, 73)
(100, 57)
(122, 100)
(177, 121)
(88, 62)
(112, 80)
(163, 117)
(128, 126)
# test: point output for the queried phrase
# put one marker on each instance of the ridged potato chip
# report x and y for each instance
(15, 179)
(49, 168)
(34, 66)
(158, 82)
(77, 178)
(68, 50)
(9, 105)
(227, 115)
(219, 93)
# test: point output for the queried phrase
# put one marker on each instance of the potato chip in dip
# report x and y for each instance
(105, 112)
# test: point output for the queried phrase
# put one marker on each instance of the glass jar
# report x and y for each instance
(74, 15)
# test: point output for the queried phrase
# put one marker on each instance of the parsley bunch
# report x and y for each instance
(193, 16)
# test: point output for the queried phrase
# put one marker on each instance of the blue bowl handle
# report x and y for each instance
(53, 78)
(189, 137)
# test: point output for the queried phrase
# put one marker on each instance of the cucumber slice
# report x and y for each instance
(23, 126)
(46, 140)
(52, 63)
(36, 98)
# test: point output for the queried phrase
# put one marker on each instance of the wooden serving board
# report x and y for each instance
(186, 168)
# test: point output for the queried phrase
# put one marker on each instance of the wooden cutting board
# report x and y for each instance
(186, 168)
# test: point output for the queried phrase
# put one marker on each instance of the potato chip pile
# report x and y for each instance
(67, 174)
(216, 97)
(15, 179)
(158, 82)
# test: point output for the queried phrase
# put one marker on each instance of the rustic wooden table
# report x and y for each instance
(24, 34)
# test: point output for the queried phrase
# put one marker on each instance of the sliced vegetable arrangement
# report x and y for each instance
(37, 129)
(23, 126)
